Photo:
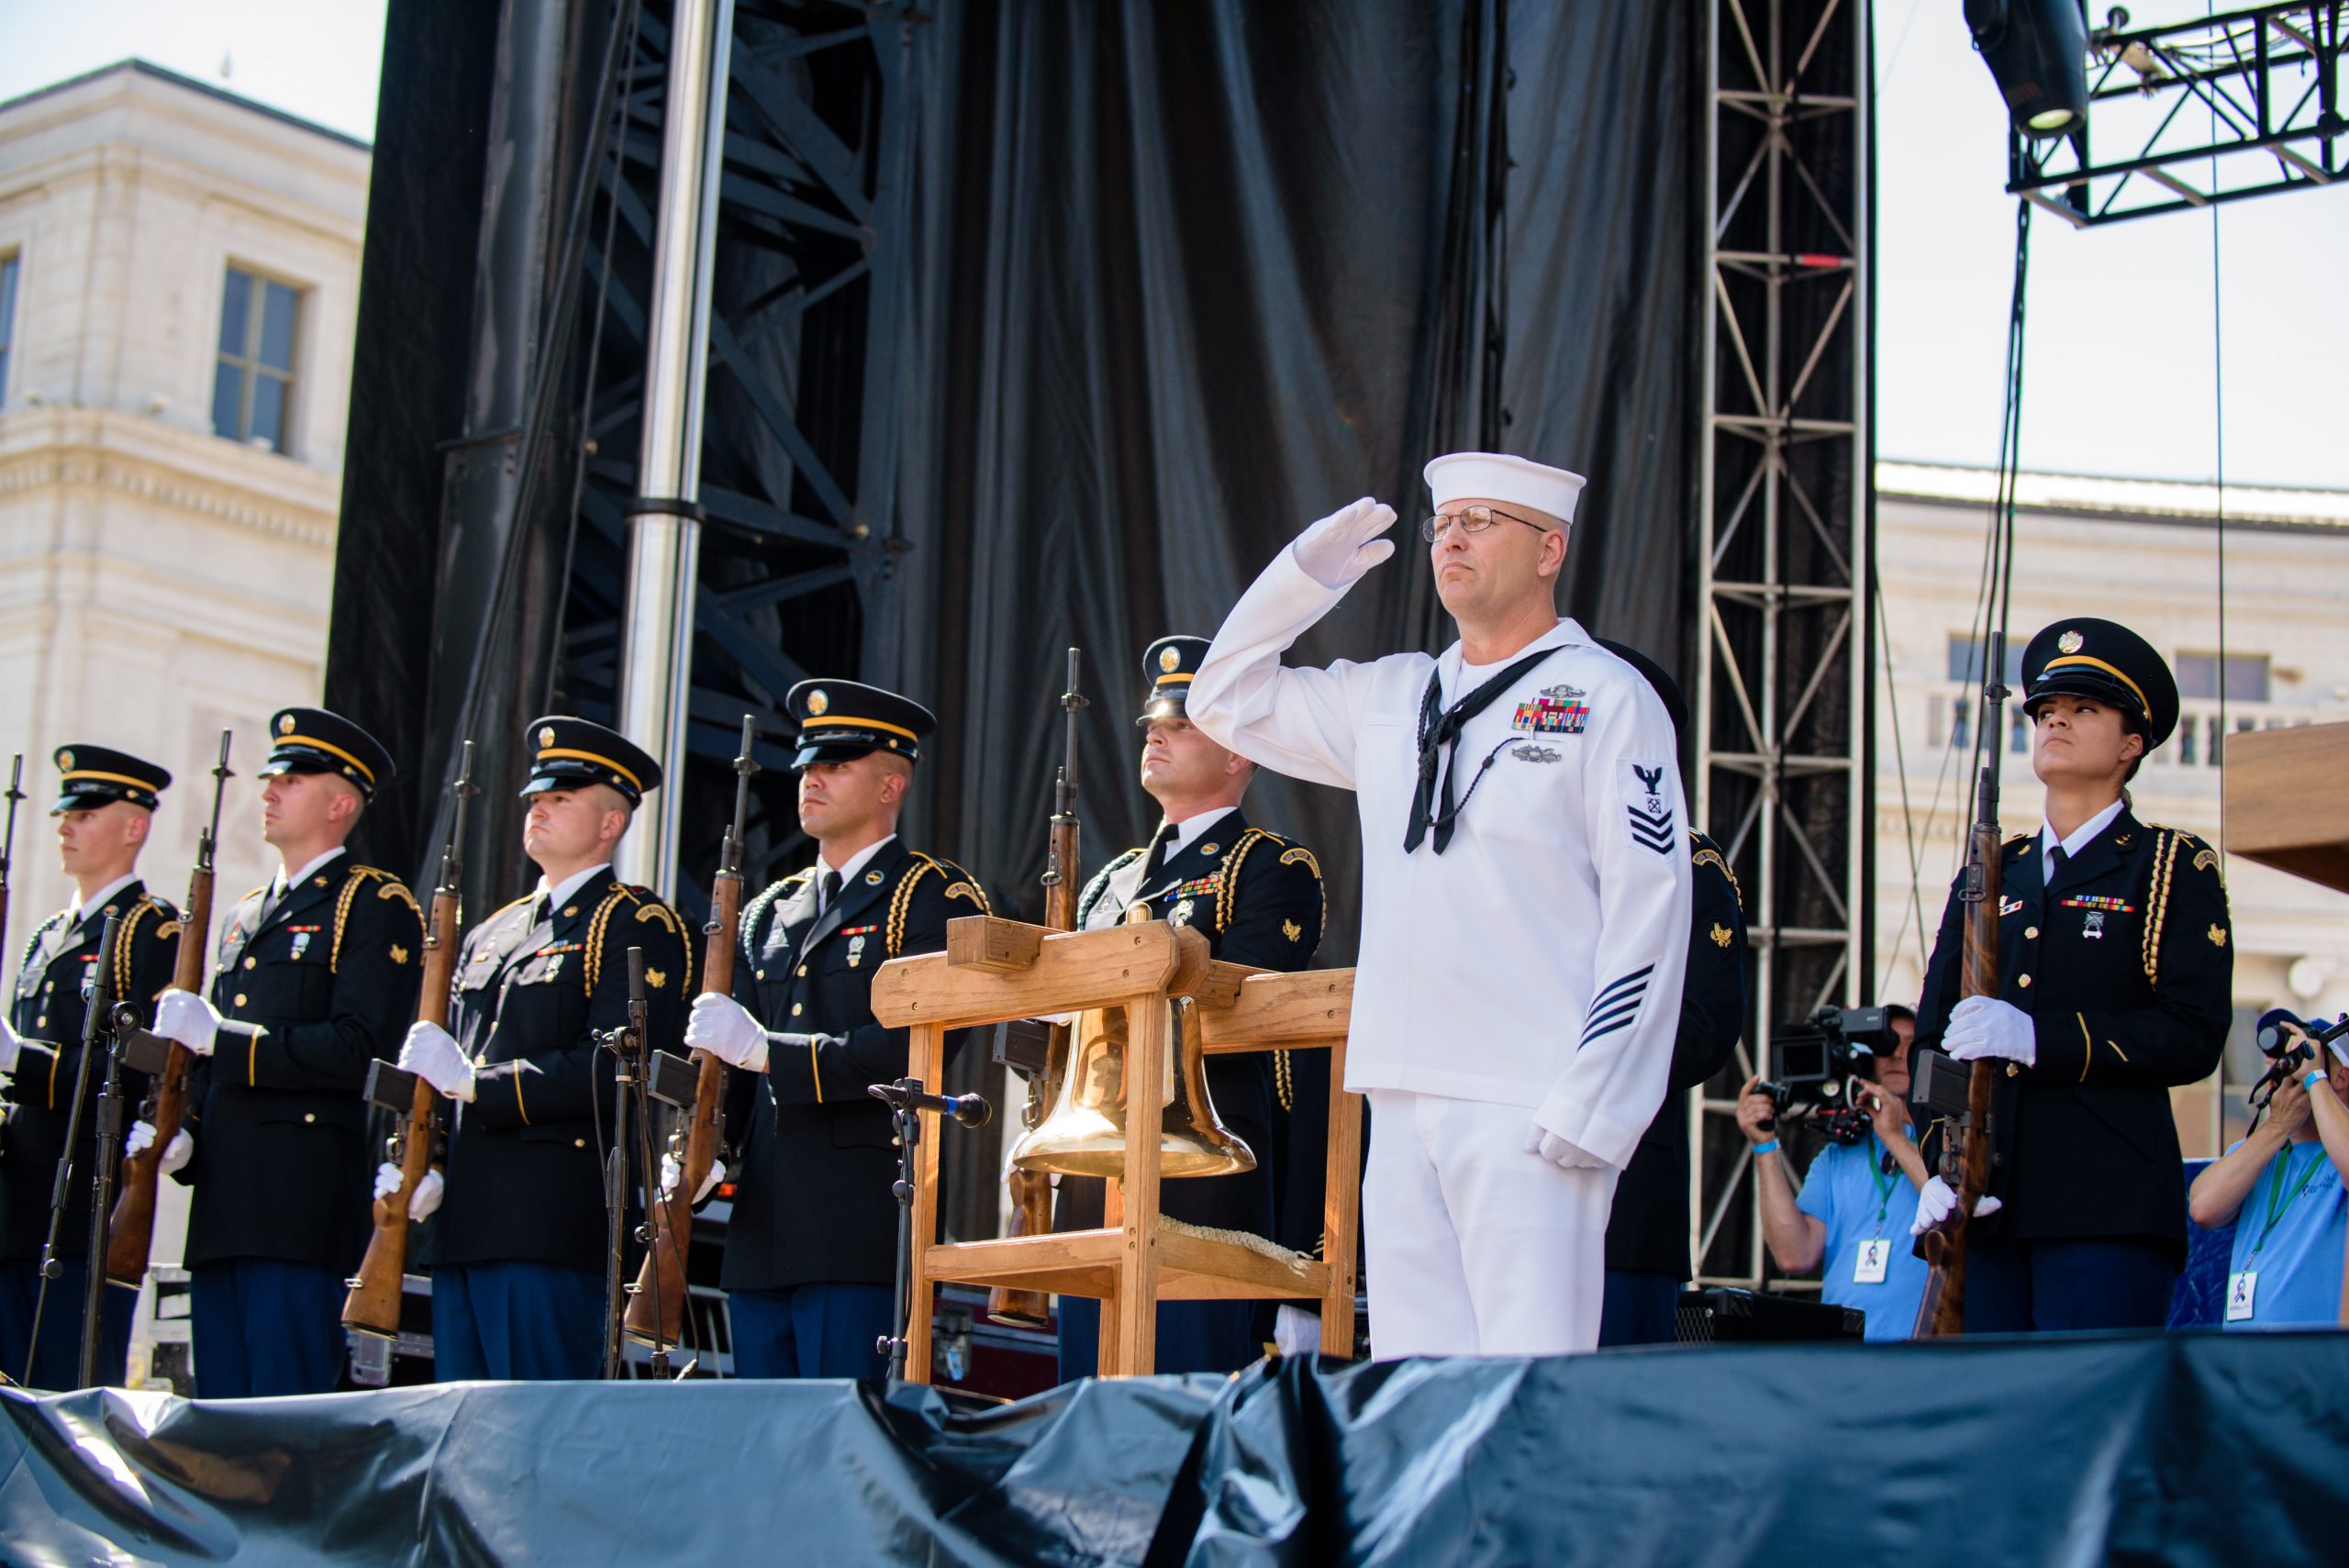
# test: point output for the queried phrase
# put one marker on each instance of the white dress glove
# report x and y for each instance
(188, 1019)
(428, 1192)
(10, 1047)
(671, 1172)
(1296, 1330)
(1565, 1155)
(1345, 544)
(724, 1029)
(433, 1054)
(1936, 1202)
(1983, 1027)
(176, 1154)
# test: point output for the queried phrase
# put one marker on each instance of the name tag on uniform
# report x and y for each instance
(2242, 1289)
(1875, 1257)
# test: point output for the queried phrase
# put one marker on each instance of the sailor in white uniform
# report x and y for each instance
(1525, 903)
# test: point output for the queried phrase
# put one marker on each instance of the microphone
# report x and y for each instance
(967, 1110)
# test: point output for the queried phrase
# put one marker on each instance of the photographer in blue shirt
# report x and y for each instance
(1855, 1198)
(2282, 1188)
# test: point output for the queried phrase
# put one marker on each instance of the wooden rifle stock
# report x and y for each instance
(656, 1306)
(130, 1229)
(373, 1304)
(1031, 1191)
(1967, 1146)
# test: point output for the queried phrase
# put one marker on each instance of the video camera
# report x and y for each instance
(2289, 1044)
(1815, 1060)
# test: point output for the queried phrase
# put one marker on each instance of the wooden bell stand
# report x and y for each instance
(992, 970)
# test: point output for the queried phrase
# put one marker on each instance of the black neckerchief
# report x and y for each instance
(1440, 743)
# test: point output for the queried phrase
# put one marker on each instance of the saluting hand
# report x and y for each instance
(1345, 544)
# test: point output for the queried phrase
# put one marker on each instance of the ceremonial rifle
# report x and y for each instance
(130, 1232)
(656, 1307)
(370, 1312)
(1967, 1135)
(1031, 1191)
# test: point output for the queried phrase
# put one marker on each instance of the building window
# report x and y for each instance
(2246, 677)
(1961, 725)
(7, 321)
(2018, 732)
(1966, 659)
(2187, 735)
(252, 386)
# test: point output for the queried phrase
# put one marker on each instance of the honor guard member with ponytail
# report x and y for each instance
(811, 1247)
(2116, 980)
(316, 976)
(1525, 903)
(106, 803)
(518, 1250)
(1257, 898)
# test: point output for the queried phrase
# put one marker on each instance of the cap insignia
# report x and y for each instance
(286, 723)
(2071, 642)
(818, 702)
(1169, 660)
(546, 735)
(65, 760)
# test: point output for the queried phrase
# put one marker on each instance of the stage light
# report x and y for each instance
(2038, 53)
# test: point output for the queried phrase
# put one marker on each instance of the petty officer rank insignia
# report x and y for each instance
(1650, 813)
(1557, 710)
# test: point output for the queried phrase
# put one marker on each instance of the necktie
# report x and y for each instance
(827, 892)
(2056, 859)
(1439, 747)
(1156, 861)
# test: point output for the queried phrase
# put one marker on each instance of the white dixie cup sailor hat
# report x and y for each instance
(1496, 477)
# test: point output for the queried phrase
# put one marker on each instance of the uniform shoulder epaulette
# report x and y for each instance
(1237, 856)
(1091, 893)
(166, 927)
(2168, 842)
(649, 908)
(960, 884)
(1708, 853)
(386, 886)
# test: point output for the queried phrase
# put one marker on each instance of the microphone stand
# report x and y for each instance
(907, 1099)
(94, 1021)
(626, 1046)
(124, 1018)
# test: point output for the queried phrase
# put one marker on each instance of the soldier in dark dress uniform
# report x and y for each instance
(1647, 1228)
(2116, 969)
(106, 803)
(1257, 898)
(518, 1250)
(811, 1245)
(317, 976)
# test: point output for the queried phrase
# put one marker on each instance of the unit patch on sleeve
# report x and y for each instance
(1650, 812)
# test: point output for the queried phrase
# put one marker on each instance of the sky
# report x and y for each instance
(2121, 365)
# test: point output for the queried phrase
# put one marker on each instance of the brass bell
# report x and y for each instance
(1085, 1132)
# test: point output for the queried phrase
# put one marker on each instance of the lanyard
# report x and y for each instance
(2277, 1202)
(1884, 1180)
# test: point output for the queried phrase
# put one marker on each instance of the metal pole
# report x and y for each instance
(664, 526)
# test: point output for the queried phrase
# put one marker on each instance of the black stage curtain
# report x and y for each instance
(1187, 276)
(2208, 1448)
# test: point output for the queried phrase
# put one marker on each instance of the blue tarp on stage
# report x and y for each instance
(2192, 1449)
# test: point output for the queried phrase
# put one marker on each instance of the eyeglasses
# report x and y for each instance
(1472, 519)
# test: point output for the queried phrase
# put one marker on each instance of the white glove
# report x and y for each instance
(724, 1029)
(1345, 544)
(9, 1047)
(1936, 1202)
(1296, 1330)
(433, 1054)
(1559, 1152)
(671, 1172)
(428, 1191)
(185, 1016)
(1983, 1027)
(176, 1154)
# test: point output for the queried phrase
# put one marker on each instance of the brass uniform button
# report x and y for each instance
(2030, 933)
(48, 988)
(309, 1116)
(797, 1008)
(2023, 981)
(249, 963)
(579, 1143)
(761, 974)
(41, 1022)
(240, 998)
(801, 972)
(2014, 1069)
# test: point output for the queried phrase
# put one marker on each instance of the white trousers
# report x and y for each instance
(1472, 1246)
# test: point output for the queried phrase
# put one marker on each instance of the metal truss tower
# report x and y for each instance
(1784, 516)
(798, 532)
